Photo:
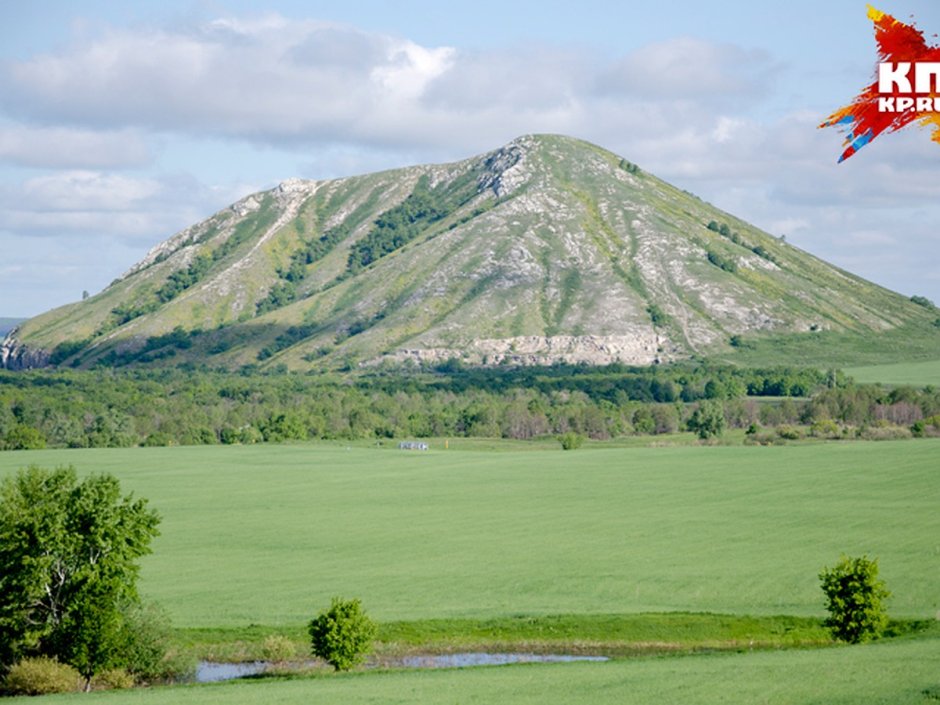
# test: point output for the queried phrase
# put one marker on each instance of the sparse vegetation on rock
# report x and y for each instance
(548, 244)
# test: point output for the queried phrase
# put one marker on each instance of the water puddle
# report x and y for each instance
(210, 672)
(485, 659)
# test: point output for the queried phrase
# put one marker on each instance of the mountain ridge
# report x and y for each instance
(547, 249)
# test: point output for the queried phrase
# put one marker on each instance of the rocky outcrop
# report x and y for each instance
(16, 356)
(639, 349)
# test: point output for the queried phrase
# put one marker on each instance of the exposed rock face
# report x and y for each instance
(642, 348)
(16, 356)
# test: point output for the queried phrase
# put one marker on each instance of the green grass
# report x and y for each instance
(268, 534)
(516, 546)
(825, 349)
(918, 374)
(903, 672)
(615, 635)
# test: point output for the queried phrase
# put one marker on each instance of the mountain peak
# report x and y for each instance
(546, 249)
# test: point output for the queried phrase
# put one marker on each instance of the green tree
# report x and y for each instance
(855, 599)
(68, 553)
(343, 634)
(23, 437)
(708, 419)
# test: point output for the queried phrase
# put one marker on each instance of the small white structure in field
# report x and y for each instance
(412, 445)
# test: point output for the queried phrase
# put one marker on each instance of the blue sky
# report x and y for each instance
(124, 122)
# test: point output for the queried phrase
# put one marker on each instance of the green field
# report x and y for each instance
(828, 349)
(265, 535)
(898, 673)
(918, 374)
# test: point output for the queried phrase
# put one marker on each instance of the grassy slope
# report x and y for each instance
(268, 534)
(895, 673)
(918, 374)
(834, 349)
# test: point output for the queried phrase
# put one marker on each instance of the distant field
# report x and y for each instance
(267, 534)
(827, 349)
(918, 374)
(895, 673)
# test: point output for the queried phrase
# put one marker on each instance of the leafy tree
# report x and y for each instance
(23, 437)
(68, 553)
(342, 635)
(708, 419)
(855, 599)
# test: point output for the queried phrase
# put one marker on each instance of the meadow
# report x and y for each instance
(264, 535)
(917, 374)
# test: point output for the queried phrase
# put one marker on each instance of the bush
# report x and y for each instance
(885, 431)
(763, 438)
(342, 635)
(790, 433)
(708, 419)
(926, 427)
(278, 648)
(722, 262)
(571, 440)
(825, 428)
(657, 315)
(855, 599)
(41, 676)
(145, 645)
(113, 679)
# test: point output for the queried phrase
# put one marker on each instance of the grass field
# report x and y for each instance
(893, 673)
(825, 349)
(918, 374)
(265, 535)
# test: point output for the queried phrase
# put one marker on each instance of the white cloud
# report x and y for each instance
(271, 80)
(687, 68)
(87, 191)
(69, 148)
(78, 203)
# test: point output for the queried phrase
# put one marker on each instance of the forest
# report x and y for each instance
(120, 408)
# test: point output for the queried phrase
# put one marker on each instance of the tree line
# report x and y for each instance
(110, 408)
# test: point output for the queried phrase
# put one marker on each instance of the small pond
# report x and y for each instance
(485, 659)
(209, 672)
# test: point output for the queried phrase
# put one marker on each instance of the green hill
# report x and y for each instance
(8, 324)
(547, 249)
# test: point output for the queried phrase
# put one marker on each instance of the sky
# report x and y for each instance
(122, 123)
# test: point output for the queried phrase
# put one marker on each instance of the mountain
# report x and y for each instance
(8, 324)
(546, 249)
